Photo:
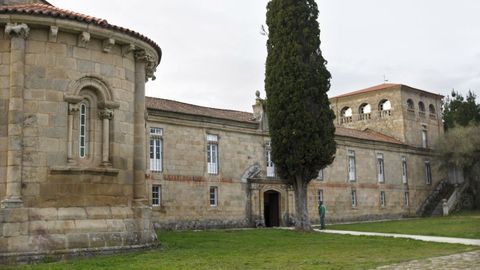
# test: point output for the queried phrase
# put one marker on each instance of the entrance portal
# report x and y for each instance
(271, 208)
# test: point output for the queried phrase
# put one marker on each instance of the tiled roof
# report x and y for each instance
(382, 86)
(366, 134)
(370, 89)
(180, 107)
(51, 11)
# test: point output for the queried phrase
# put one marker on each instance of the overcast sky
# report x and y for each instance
(214, 54)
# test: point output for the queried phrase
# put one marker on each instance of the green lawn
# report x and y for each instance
(264, 249)
(463, 225)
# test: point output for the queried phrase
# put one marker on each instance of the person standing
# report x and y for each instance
(321, 212)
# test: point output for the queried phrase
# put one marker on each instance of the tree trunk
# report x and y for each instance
(302, 221)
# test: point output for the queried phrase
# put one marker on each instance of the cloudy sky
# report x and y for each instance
(214, 54)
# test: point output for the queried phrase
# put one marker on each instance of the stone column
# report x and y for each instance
(18, 34)
(144, 69)
(106, 115)
(72, 110)
(139, 151)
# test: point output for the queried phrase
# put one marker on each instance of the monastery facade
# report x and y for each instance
(89, 164)
(213, 168)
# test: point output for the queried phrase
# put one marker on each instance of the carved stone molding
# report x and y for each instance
(150, 64)
(108, 44)
(52, 35)
(83, 39)
(105, 114)
(17, 30)
(73, 108)
(72, 98)
(72, 170)
(108, 104)
(126, 49)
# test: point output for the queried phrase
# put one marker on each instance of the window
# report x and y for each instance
(351, 165)
(364, 111)
(156, 195)
(83, 131)
(410, 105)
(320, 175)
(156, 149)
(424, 138)
(354, 198)
(421, 107)
(384, 105)
(432, 111)
(404, 170)
(365, 108)
(213, 196)
(428, 173)
(319, 196)
(406, 199)
(346, 115)
(346, 112)
(382, 199)
(270, 165)
(384, 108)
(380, 168)
(212, 154)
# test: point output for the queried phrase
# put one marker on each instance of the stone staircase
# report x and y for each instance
(443, 190)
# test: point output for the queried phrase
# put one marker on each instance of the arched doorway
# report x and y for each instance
(271, 208)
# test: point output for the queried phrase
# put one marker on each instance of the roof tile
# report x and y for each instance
(180, 107)
(185, 108)
(51, 11)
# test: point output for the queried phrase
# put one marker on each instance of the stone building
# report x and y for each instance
(72, 133)
(89, 164)
(212, 167)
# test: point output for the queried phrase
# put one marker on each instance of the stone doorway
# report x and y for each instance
(271, 208)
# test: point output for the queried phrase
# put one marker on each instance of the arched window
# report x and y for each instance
(364, 111)
(346, 112)
(384, 105)
(421, 106)
(346, 115)
(82, 138)
(431, 109)
(410, 105)
(90, 111)
(421, 109)
(384, 108)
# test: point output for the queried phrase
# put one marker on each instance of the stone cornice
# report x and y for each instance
(121, 39)
(69, 170)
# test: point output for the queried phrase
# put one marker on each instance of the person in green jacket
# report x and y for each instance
(321, 212)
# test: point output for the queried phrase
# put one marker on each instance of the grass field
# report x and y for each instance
(463, 225)
(264, 249)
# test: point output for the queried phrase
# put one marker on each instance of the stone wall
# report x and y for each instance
(185, 182)
(51, 67)
(337, 188)
(4, 94)
(416, 121)
(54, 199)
(390, 124)
(31, 233)
(400, 122)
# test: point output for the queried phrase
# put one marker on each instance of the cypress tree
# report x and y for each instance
(296, 82)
